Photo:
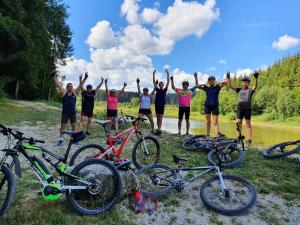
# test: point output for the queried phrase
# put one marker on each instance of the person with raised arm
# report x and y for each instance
(112, 99)
(184, 95)
(145, 104)
(211, 106)
(160, 99)
(68, 104)
(245, 101)
(87, 104)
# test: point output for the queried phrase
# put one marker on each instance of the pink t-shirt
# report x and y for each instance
(184, 97)
(112, 102)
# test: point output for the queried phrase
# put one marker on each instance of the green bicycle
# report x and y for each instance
(92, 187)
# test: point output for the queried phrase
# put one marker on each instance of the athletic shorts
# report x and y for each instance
(159, 109)
(112, 113)
(87, 113)
(244, 113)
(184, 111)
(211, 110)
(145, 111)
(66, 117)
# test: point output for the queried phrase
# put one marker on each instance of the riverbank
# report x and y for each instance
(277, 182)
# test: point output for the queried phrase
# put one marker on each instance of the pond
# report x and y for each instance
(263, 135)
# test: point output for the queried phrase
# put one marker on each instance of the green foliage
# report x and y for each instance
(135, 101)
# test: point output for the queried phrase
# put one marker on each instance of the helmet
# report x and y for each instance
(145, 89)
(211, 78)
(185, 82)
(89, 86)
(245, 78)
(113, 91)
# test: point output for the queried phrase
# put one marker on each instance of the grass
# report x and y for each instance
(279, 177)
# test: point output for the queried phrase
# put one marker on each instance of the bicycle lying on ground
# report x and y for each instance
(225, 194)
(282, 149)
(145, 151)
(92, 187)
(227, 149)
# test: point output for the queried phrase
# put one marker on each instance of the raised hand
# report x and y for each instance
(138, 80)
(228, 74)
(154, 71)
(171, 78)
(53, 74)
(195, 74)
(256, 74)
(167, 71)
(105, 81)
(125, 84)
(156, 82)
(102, 79)
(86, 75)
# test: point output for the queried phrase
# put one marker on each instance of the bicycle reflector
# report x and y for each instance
(141, 203)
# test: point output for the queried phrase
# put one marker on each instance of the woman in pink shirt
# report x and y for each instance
(184, 95)
(112, 98)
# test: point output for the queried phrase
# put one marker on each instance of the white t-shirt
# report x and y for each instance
(145, 101)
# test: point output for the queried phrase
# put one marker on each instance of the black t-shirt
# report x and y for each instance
(69, 104)
(245, 97)
(160, 98)
(212, 95)
(88, 99)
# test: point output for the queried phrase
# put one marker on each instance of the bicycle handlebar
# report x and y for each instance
(135, 118)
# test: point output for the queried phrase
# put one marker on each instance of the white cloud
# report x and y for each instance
(211, 68)
(223, 61)
(130, 9)
(264, 67)
(102, 36)
(285, 42)
(150, 15)
(187, 18)
(180, 76)
(243, 72)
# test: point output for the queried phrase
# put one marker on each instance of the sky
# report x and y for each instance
(125, 39)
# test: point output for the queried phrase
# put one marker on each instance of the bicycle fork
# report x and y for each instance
(225, 192)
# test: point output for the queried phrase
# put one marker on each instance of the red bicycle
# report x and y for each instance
(146, 150)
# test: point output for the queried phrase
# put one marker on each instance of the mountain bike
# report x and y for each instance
(92, 187)
(145, 151)
(227, 148)
(282, 149)
(225, 194)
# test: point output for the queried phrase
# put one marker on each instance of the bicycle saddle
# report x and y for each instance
(178, 159)
(76, 135)
(123, 165)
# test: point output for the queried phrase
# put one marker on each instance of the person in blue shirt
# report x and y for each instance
(211, 106)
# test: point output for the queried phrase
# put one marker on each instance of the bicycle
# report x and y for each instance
(226, 149)
(145, 151)
(217, 193)
(282, 149)
(91, 187)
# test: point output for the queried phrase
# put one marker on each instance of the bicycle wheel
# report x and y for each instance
(102, 195)
(281, 150)
(197, 142)
(146, 152)
(7, 189)
(86, 152)
(156, 180)
(234, 157)
(238, 198)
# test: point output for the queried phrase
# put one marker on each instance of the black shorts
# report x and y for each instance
(112, 113)
(66, 117)
(184, 111)
(159, 109)
(244, 113)
(211, 110)
(145, 111)
(87, 112)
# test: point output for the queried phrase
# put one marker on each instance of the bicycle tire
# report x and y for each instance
(135, 149)
(229, 212)
(212, 155)
(192, 144)
(72, 199)
(85, 149)
(11, 188)
(164, 191)
(267, 151)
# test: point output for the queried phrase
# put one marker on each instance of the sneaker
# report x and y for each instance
(77, 143)
(158, 132)
(60, 143)
(249, 142)
(179, 134)
(88, 133)
(188, 134)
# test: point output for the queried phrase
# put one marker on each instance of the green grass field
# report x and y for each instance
(279, 177)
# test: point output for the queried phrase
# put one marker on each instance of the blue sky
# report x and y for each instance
(242, 34)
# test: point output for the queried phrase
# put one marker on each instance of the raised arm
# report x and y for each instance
(153, 77)
(138, 86)
(168, 78)
(80, 80)
(106, 88)
(99, 86)
(58, 84)
(229, 81)
(223, 83)
(172, 83)
(256, 74)
(196, 78)
(200, 86)
(120, 93)
(80, 87)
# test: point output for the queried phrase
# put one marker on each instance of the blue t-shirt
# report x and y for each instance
(212, 95)
(69, 104)
(160, 98)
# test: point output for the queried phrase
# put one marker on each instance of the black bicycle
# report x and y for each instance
(227, 149)
(282, 149)
(225, 194)
(92, 187)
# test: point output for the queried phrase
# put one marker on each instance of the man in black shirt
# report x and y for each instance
(160, 99)
(245, 99)
(87, 104)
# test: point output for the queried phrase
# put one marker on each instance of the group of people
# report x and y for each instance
(160, 89)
